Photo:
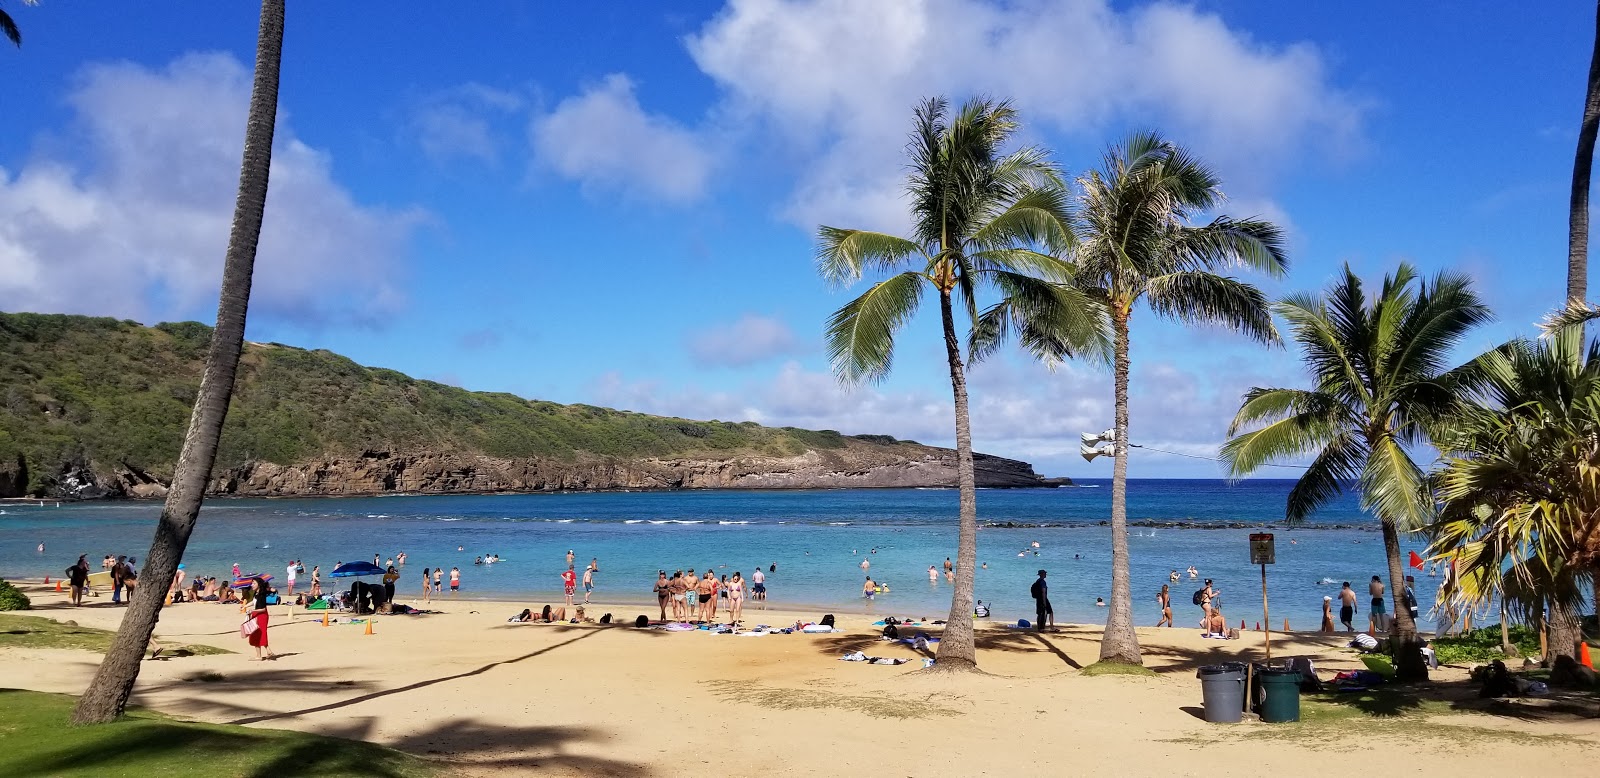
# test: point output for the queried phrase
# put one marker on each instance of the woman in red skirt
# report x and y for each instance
(258, 612)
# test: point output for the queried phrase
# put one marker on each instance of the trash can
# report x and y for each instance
(1222, 686)
(1282, 701)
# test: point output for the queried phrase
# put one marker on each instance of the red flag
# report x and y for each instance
(1416, 561)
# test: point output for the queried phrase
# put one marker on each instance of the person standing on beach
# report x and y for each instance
(1164, 599)
(736, 598)
(679, 589)
(290, 575)
(1208, 594)
(588, 583)
(569, 583)
(691, 595)
(1408, 598)
(391, 577)
(119, 569)
(438, 580)
(455, 580)
(316, 581)
(78, 579)
(758, 587)
(707, 592)
(1041, 603)
(663, 590)
(1379, 615)
(258, 614)
(1327, 614)
(1347, 607)
(427, 584)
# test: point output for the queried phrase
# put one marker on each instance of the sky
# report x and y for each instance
(615, 203)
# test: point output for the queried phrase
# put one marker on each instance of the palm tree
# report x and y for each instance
(8, 26)
(979, 219)
(1520, 481)
(1582, 165)
(1378, 367)
(107, 694)
(1137, 242)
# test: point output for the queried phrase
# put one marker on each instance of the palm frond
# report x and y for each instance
(1051, 321)
(1309, 427)
(1338, 464)
(1576, 314)
(1202, 297)
(9, 27)
(1393, 486)
(1225, 242)
(844, 255)
(1035, 217)
(861, 334)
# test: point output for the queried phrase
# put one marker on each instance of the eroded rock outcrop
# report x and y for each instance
(379, 472)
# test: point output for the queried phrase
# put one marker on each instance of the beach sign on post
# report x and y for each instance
(1262, 553)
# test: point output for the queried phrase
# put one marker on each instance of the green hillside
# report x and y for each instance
(80, 391)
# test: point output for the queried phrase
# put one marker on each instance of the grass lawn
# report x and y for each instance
(35, 739)
(39, 632)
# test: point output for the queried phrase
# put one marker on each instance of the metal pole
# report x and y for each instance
(1266, 620)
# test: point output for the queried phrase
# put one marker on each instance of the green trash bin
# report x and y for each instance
(1282, 702)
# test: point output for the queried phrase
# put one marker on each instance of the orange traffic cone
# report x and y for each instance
(324, 618)
(1258, 626)
(1242, 626)
(369, 626)
(1285, 625)
(1583, 655)
(47, 580)
(58, 584)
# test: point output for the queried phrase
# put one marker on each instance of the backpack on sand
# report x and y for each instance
(827, 621)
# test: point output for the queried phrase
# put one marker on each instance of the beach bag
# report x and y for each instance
(248, 628)
(1199, 596)
(606, 619)
(827, 620)
(891, 631)
(1034, 591)
(642, 621)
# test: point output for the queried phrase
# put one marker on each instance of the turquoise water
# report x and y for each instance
(817, 539)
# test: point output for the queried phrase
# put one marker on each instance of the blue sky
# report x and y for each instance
(614, 203)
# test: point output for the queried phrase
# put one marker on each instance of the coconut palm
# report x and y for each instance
(1520, 481)
(980, 220)
(107, 694)
(1582, 167)
(1137, 242)
(1379, 370)
(8, 26)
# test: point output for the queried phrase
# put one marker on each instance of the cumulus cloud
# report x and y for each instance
(749, 340)
(141, 228)
(605, 140)
(457, 123)
(1018, 409)
(839, 77)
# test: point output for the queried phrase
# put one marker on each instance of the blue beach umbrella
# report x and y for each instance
(356, 570)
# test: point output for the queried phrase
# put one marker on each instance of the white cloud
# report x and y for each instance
(603, 139)
(1018, 409)
(840, 77)
(140, 230)
(749, 340)
(456, 123)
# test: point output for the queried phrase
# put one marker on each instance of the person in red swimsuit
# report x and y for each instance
(569, 581)
(258, 611)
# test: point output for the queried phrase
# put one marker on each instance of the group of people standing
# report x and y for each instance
(695, 598)
(1378, 618)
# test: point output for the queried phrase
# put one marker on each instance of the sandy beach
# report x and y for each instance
(496, 698)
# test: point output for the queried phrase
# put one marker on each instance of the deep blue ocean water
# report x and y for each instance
(817, 539)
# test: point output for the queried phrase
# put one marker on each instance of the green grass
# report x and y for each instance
(39, 632)
(36, 739)
(1483, 645)
(1116, 668)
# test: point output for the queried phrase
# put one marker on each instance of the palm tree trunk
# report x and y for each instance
(957, 647)
(1582, 165)
(107, 694)
(1506, 646)
(1119, 643)
(1403, 642)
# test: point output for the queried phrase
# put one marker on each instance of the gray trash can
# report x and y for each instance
(1222, 687)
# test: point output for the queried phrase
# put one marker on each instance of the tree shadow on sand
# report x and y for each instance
(1020, 641)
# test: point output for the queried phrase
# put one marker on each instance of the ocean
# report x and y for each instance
(816, 539)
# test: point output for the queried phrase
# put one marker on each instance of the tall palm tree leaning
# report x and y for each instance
(1582, 167)
(979, 219)
(1136, 241)
(107, 694)
(1380, 381)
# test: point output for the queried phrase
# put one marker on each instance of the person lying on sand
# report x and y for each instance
(525, 616)
(549, 614)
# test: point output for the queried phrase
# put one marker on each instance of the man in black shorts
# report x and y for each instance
(1041, 603)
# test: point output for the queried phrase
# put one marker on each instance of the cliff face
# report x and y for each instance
(95, 408)
(381, 472)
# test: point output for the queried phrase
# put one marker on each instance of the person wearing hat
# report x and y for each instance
(1041, 603)
(1327, 614)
